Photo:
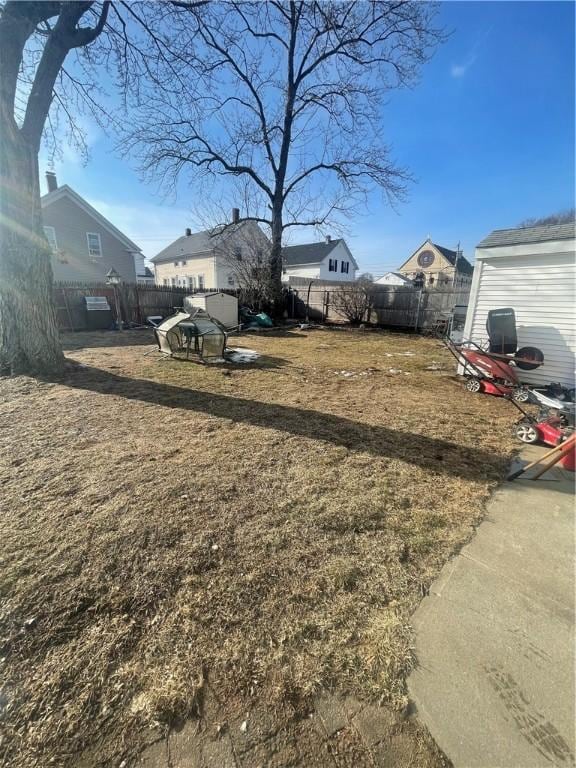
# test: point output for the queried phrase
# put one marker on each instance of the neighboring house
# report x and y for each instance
(532, 270)
(435, 265)
(143, 273)
(85, 245)
(394, 278)
(328, 260)
(207, 259)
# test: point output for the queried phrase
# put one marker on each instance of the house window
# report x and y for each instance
(50, 234)
(183, 263)
(344, 267)
(165, 281)
(192, 282)
(176, 263)
(94, 244)
(201, 283)
(173, 281)
(332, 265)
(237, 253)
(231, 281)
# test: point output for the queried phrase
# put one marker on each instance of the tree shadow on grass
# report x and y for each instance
(87, 339)
(434, 454)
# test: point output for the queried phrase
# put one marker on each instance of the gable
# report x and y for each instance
(440, 261)
(442, 258)
(66, 192)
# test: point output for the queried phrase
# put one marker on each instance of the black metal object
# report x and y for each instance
(501, 328)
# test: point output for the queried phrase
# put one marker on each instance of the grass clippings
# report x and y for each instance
(268, 527)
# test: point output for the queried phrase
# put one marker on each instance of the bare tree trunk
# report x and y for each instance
(28, 333)
(275, 290)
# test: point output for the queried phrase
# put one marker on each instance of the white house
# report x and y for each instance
(394, 278)
(143, 273)
(210, 259)
(328, 260)
(532, 270)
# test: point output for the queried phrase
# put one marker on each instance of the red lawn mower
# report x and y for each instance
(493, 370)
(555, 419)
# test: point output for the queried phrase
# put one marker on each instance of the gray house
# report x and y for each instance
(85, 245)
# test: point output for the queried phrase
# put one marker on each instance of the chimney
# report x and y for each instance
(187, 231)
(235, 215)
(328, 238)
(51, 181)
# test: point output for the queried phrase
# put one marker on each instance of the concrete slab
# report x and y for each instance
(495, 638)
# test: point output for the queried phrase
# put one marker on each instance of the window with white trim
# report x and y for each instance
(173, 281)
(345, 267)
(231, 280)
(192, 282)
(94, 245)
(201, 282)
(50, 234)
(165, 281)
(332, 265)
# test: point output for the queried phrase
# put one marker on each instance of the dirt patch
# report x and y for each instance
(267, 529)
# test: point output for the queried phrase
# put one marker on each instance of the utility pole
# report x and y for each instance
(456, 264)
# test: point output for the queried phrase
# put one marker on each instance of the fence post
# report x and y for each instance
(65, 296)
(308, 302)
(418, 310)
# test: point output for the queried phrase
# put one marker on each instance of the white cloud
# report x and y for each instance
(459, 70)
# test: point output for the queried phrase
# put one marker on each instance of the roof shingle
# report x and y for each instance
(524, 235)
(464, 266)
(198, 242)
(310, 253)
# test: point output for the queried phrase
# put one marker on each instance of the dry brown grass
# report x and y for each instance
(269, 528)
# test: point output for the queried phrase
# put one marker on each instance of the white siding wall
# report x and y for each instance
(322, 271)
(341, 254)
(181, 270)
(312, 272)
(540, 287)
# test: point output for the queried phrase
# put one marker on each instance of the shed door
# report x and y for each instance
(540, 288)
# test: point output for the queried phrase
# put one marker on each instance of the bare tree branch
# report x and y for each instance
(288, 96)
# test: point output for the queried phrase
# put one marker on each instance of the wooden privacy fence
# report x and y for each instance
(138, 301)
(395, 306)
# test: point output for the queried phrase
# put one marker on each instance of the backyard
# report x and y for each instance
(258, 534)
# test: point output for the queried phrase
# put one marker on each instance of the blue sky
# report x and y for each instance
(488, 134)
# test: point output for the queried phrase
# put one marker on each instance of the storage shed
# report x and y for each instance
(532, 270)
(221, 306)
